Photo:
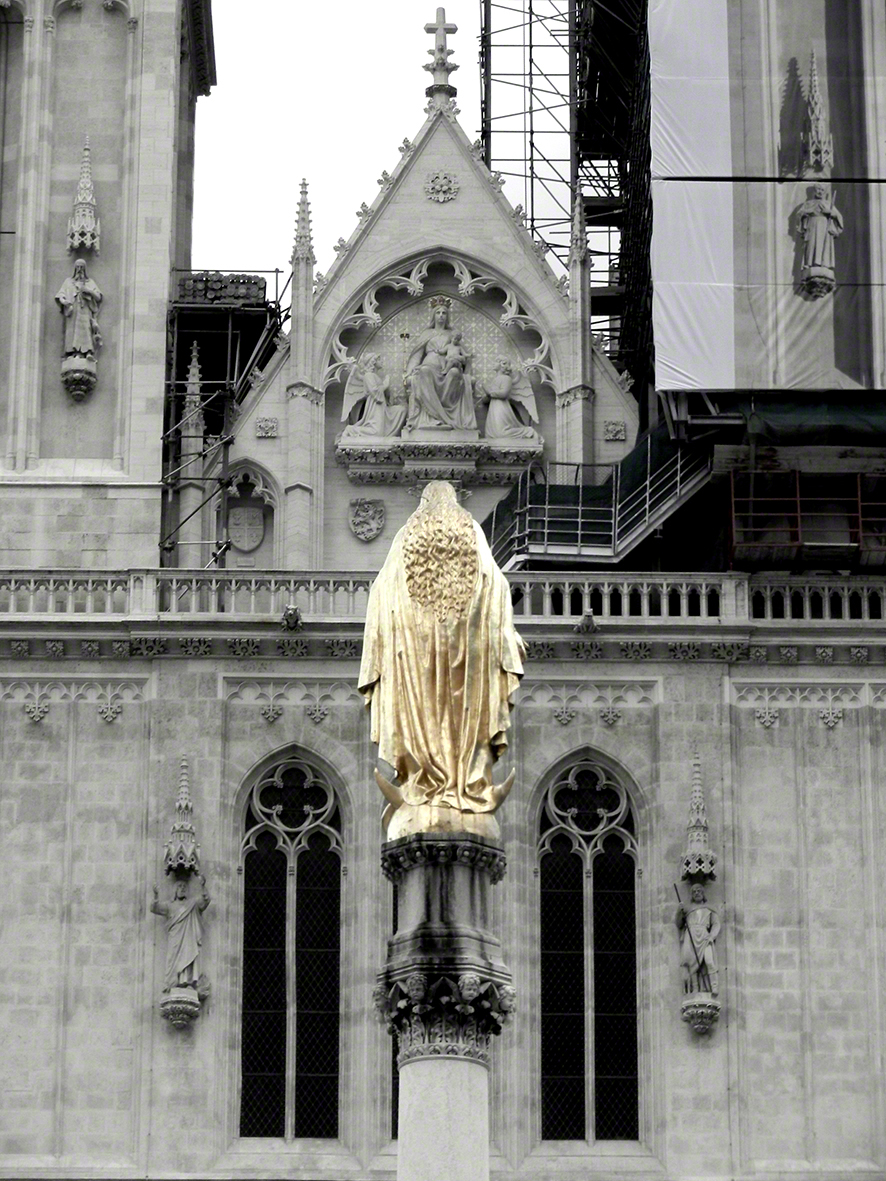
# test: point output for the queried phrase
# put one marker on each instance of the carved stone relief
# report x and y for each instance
(79, 300)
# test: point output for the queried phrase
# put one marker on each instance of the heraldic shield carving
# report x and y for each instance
(366, 518)
(246, 527)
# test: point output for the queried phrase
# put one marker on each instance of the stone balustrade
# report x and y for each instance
(340, 596)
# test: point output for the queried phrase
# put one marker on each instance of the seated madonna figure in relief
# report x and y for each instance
(440, 395)
(382, 415)
(511, 400)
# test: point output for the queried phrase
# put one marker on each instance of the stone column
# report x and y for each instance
(444, 993)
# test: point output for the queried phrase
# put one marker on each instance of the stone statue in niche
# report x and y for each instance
(699, 927)
(819, 222)
(79, 299)
(509, 397)
(437, 378)
(382, 415)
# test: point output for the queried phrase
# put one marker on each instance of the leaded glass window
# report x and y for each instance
(587, 853)
(291, 864)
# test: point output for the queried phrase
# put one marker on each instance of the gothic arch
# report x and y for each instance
(361, 311)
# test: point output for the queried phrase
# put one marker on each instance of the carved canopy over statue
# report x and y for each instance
(441, 659)
(440, 394)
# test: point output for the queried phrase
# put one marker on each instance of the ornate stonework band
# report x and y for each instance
(399, 856)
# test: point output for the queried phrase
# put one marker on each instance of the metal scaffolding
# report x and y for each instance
(561, 113)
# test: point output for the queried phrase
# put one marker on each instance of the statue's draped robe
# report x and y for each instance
(439, 690)
(184, 931)
(820, 223)
(441, 396)
(82, 336)
(701, 929)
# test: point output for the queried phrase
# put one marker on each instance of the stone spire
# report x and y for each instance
(441, 67)
(818, 143)
(182, 850)
(84, 227)
(303, 251)
(193, 400)
(700, 862)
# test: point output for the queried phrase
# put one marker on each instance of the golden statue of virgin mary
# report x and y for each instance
(441, 660)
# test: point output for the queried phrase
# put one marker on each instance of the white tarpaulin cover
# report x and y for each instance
(730, 84)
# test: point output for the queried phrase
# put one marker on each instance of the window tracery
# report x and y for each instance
(587, 852)
(291, 855)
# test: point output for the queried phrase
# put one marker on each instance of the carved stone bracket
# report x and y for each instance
(700, 1010)
(444, 1016)
(404, 854)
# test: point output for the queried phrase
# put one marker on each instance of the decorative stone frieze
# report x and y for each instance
(578, 393)
(539, 650)
(55, 649)
(90, 648)
(20, 648)
(121, 649)
(110, 711)
(340, 649)
(766, 716)
(147, 646)
(36, 710)
(635, 649)
(270, 713)
(788, 653)
(317, 713)
(609, 715)
(563, 715)
(195, 645)
(445, 1017)
(831, 716)
(758, 654)
(293, 647)
(859, 654)
(587, 649)
(243, 648)
(824, 654)
(684, 649)
(730, 650)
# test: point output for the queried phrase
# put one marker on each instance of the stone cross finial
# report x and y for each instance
(182, 850)
(441, 67)
(84, 227)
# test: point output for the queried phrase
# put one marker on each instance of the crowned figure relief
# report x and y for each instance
(437, 376)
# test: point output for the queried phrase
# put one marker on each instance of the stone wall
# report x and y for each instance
(790, 1080)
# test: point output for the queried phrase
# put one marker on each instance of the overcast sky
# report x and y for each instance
(325, 91)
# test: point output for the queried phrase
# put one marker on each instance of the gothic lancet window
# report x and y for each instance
(587, 868)
(291, 861)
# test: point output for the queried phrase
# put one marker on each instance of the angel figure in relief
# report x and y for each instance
(511, 402)
(381, 416)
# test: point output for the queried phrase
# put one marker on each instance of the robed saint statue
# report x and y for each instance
(441, 659)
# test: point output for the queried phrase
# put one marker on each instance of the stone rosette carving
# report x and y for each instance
(441, 186)
(615, 431)
(399, 857)
(444, 1016)
(266, 428)
(366, 518)
(293, 646)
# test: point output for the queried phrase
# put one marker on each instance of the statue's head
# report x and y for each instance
(469, 986)
(440, 306)
(181, 890)
(819, 191)
(80, 269)
(438, 493)
(697, 893)
(370, 361)
(504, 365)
